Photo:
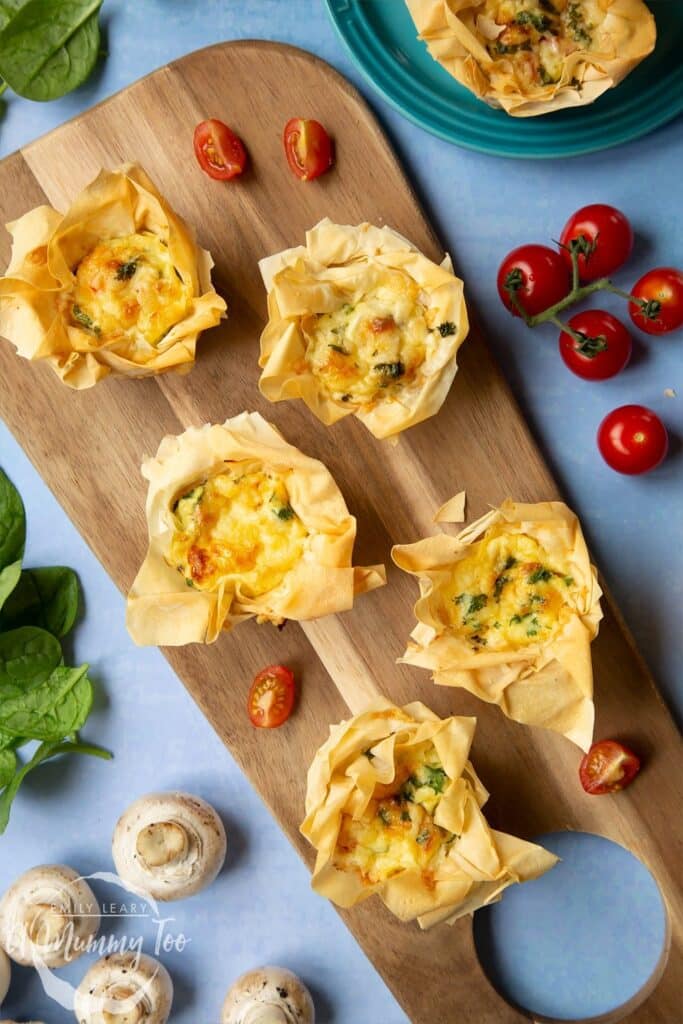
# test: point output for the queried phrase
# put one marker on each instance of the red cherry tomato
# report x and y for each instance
(608, 240)
(271, 697)
(662, 289)
(308, 148)
(220, 153)
(632, 439)
(539, 274)
(604, 350)
(608, 767)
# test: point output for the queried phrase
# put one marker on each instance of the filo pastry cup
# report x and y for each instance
(338, 267)
(39, 294)
(168, 607)
(358, 785)
(508, 609)
(460, 34)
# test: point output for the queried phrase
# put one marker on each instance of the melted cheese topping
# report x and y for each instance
(505, 594)
(533, 38)
(369, 349)
(237, 525)
(397, 831)
(128, 292)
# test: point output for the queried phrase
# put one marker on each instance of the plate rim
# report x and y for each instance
(336, 10)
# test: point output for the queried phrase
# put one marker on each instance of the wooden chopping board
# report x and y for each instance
(88, 447)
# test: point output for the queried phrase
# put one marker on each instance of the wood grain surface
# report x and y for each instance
(88, 447)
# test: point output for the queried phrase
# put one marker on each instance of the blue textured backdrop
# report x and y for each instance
(261, 909)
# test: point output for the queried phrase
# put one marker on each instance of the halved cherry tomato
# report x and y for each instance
(608, 767)
(221, 153)
(604, 350)
(632, 439)
(608, 240)
(662, 289)
(538, 275)
(271, 697)
(308, 148)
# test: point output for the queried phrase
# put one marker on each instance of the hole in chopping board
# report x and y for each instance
(587, 939)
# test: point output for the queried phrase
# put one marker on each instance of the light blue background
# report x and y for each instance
(261, 908)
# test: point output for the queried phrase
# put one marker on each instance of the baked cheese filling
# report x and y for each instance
(372, 348)
(397, 832)
(237, 525)
(128, 293)
(533, 38)
(507, 594)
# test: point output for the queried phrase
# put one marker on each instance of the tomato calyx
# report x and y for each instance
(587, 346)
(649, 308)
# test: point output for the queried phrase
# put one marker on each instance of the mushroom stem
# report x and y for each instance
(48, 916)
(169, 845)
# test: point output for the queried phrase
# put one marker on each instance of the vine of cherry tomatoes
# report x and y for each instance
(538, 283)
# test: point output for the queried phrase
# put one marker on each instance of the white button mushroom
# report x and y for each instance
(49, 915)
(169, 845)
(268, 995)
(124, 988)
(5, 975)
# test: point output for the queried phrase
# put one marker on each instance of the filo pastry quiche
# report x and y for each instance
(241, 524)
(117, 285)
(394, 807)
(508, 610)
(534, 56)
(361, 323)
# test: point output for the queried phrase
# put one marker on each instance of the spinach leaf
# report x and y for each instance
(43, 597)
(8, 8)
(12, 536)
(10, 742)
(44, 751)
(50, 710)
(28, 656)
(8, 766)
(49, 47)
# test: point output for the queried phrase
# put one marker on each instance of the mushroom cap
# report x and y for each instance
(124, 988)
(5, 975)
(169, 845)
(268, 995)
(48, 915)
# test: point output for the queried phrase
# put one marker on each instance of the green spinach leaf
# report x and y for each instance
(47, 598)
(8, 766)
(44, 751)
(8, 8)
(28, 656)
(12, 536)
(49, 47)
(50, 710)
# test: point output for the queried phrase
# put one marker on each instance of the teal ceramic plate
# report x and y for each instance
(382, 40)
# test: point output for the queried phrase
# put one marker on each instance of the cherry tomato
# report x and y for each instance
(662, 289)
(271, 697)
(604, 350)
(308, 148)
(632, 439)
(608, 767)
(608, 240)
(540, 276)
(221, 153)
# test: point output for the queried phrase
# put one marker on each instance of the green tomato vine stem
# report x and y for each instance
(577, 293)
